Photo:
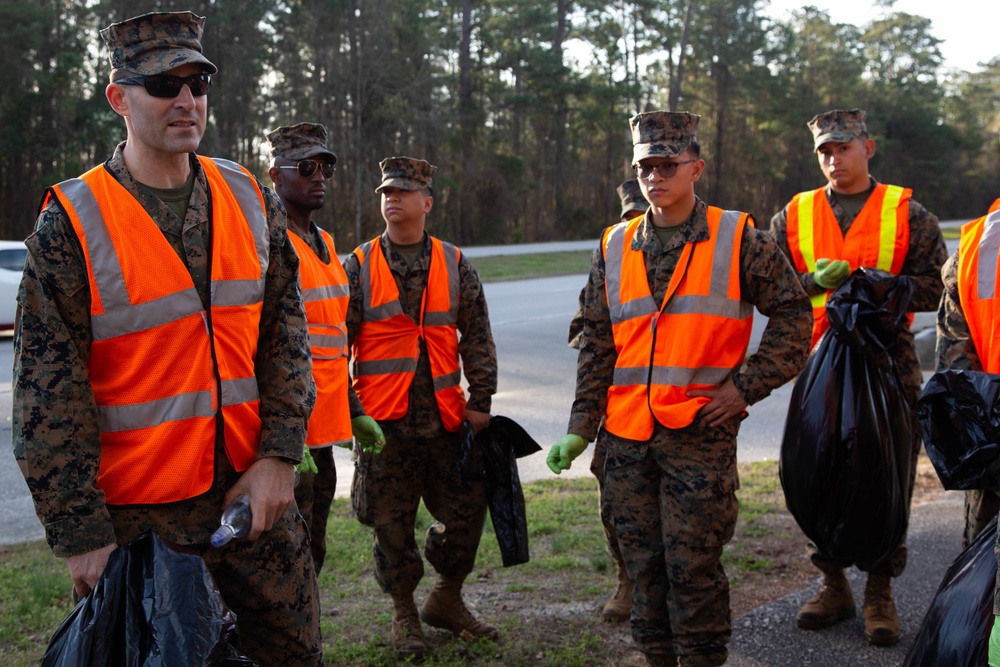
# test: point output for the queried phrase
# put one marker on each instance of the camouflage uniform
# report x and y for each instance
(922, 265)
(672, 498)
(269, 583)
(956, 351)
(420, 458)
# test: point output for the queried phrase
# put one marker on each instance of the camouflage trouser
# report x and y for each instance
(314, 495)
(674, 510)
(981, 507)
(271, 586)
(610, 534)
(894, 563)
(395, 481)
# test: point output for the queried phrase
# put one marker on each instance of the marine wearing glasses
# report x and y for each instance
(168, 85)
(307, 168)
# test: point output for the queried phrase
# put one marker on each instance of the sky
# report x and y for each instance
(964, 26)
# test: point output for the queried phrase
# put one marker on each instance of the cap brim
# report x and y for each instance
(672, 149)
(165, 60)
(400, 184)
(840, 137)
(308, 152)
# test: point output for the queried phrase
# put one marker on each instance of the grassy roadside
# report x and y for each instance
(536, 265)
(547, 609)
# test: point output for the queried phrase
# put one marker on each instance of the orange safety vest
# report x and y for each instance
(151, 368)
(878, 238)
(387, 345)
(325, 295)
(978, 270)
(694, 340)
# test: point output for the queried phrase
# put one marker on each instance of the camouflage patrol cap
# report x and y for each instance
(155, 43)
(662, 133)
(298, 142)
(405, 173)
(839, 125)
(633, 202)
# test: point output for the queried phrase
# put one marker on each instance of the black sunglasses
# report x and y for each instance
(664, 169)
(307, 168)
(168, 85)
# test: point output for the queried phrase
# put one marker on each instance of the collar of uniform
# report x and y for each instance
(830, 197)
(695, 229)
(398, 264)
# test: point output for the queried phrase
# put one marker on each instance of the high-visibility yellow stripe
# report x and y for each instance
(807, 242)
(887, 235)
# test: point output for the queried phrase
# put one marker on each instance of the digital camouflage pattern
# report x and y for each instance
(840, 125)
(957, 351)
(155, 43)
(54, 424)
(662, 133)
(922, 267)
(298, 142)
(633, 203)
(681, 482)
(420, 458)
(405, 173)
(314, 494)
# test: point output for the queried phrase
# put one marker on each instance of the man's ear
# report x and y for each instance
(117, 98)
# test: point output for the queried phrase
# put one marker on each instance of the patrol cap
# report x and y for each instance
(155, 43)
(405, 173)
(662, 133)
(297, 142)
(839, 125)
(632, 200)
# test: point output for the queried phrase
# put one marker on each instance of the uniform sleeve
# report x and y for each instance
(955, 348)
(596, 362)
(475, 347)
(353, 271)
(55, 434)
(779, 230)
(926, 256)
(769, 283)
(284, 362)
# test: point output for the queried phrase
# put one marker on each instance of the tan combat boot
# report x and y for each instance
(444, 608)
(618, 608)
(407, 634)
(833, 602)
(660, 660)
(881, 621)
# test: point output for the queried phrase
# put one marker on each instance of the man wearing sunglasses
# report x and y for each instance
(162, 366)
(417, 320)
(301, 167)
(667, 320)
(855, 221)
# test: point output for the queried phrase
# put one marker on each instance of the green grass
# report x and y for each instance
(537, 265)
(951, 233)
(569, 569)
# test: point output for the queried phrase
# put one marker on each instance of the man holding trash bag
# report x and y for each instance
(667, 319)
(826, 233)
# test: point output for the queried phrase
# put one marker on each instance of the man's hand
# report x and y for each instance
(478, 420)
(86, 569)
(564, 451)
(368, 434)
(831, 273)
(270, 483)
(725, 402)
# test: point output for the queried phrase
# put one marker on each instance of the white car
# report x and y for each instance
(12, 254)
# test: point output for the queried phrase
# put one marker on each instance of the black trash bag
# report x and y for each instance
(956, 628)
(492, 456)
(152, 607)
(847, 446)
(959, 414)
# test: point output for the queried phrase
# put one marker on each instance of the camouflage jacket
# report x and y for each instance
(955, 348)
(475, 346)
(55, 435)
(766, 281)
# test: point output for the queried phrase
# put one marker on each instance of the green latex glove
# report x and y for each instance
(564, 451)
(306, 464)
(994, 652)
(831, 273)
(368, 434)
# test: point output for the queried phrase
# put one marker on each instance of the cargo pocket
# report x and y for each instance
(359, 489)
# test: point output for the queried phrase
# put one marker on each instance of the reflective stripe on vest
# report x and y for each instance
(698, 336)
(387, 346)
(978, 264)
(879, 237)
(150, 364)
(325, 295)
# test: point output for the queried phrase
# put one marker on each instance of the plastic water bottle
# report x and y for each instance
(235, 523)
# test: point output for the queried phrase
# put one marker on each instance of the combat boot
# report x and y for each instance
(445, 609)
(660, 660)
(618, 608)
(881, 621)
(407, 634)
(833, 602)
